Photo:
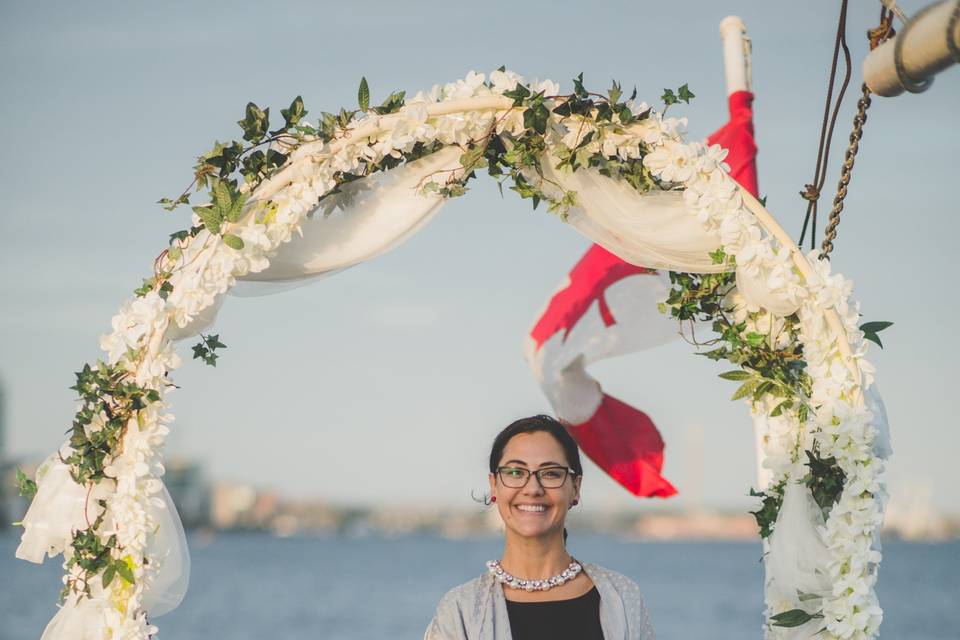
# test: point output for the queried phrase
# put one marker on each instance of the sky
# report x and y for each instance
(369, 386)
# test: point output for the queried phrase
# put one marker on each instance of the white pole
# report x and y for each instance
(925, 46)
(736, 54)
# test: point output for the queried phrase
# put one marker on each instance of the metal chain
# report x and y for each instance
(830, 233)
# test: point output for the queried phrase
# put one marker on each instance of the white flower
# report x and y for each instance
(505, 80)
(712, 159)
(672, 161)
(547, 87)
(466, 88)
(134, 320)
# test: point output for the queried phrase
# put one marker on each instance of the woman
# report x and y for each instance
(537, 590)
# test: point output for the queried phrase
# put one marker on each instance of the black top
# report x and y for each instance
(574, 619)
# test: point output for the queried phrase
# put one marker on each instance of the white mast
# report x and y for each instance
(736, 54)
(925, 46)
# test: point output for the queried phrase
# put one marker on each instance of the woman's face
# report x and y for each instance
(533, 511)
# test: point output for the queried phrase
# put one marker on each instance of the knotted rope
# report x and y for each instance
(811, 192)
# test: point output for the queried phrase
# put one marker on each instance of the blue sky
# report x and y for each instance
(346, 388)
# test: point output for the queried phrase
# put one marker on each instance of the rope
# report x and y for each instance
(830, 233)
(876, 36)
(811, 192)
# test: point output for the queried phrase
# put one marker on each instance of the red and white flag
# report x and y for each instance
(606, 308)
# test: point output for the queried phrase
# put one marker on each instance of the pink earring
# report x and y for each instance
(574, 503)
(493, 498)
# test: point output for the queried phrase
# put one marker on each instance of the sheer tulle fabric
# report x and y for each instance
(60, 507)
(654, 229)
(169, 545)
(368, 218)
(796, 560)
(375, 214)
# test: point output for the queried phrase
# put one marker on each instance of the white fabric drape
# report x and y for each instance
(168, 545)
(796, 560)
(654, 229)
(367, 218)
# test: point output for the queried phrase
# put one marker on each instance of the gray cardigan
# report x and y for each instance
(477, 610)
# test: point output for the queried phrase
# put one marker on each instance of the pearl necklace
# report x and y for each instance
(504, 578)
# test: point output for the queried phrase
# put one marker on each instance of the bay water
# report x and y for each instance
(256, 587)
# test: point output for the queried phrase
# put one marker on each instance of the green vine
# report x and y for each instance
(108, 400)
(825, 480)
(767, 365)
(766, 515)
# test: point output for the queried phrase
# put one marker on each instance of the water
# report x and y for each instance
(251, 587)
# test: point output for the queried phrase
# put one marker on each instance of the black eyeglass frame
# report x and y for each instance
(567, 471)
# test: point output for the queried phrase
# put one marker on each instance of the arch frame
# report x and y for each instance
(243, 225)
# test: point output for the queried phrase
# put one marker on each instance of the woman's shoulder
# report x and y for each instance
(623, 595)
(468, 591)
(617, 580)
(460, 611)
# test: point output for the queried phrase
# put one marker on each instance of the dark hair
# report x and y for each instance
(531, 425)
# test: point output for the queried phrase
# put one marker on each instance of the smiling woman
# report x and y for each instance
(537, 590)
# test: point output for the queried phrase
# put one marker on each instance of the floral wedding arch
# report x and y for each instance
(303, 201)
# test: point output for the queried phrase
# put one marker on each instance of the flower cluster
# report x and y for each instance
(770, 292)
(520, 126)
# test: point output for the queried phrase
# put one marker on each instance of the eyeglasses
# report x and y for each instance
(548, 477)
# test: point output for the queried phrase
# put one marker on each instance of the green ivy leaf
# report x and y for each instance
(536, 118)
(578, 88)
(518, 94)
(255, 122)
(236, 207)
(210, 217)
(392, 104)
(684, 93)
(25, 486)
(766, 515)
(294, 113)
(108, 575)
(669, 97)
(232, 241)
(871, 329)
(793, 618)
(737, 374)
(614, 93)
(170, 205)
(363, 95)
(746, 389)
(779, 409)
(473, 159)
(755, 339)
